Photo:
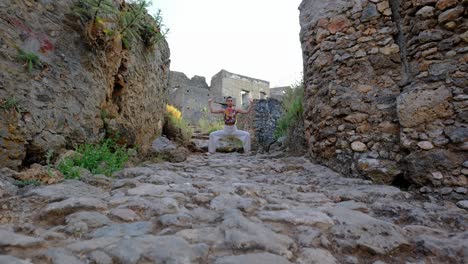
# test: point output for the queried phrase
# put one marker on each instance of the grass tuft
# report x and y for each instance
(31, 59)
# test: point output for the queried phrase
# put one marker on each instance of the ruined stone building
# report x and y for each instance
(239, 87)
(191, 95)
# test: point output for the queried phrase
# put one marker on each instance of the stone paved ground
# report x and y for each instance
(227, 209)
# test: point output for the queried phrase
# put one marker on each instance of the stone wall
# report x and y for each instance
(385, 86)
(80, 93)
(433, 107)
(190, 96)
(261, 123)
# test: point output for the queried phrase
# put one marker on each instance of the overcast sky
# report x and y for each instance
(256, 38)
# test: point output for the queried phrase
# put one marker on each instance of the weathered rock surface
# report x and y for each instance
(7, 186)
(259, 258)
(231, 208)
(78, 93)
(11, 239)
(12, 260)
(384, 80)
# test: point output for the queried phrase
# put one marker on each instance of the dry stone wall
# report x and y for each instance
(386, 88)
(261, 123)
(80, 93)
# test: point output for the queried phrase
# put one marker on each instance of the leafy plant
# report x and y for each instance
(293, 109)
(30, 58)
(103, 158)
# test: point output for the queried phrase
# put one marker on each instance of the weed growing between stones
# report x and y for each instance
(10, 103)
(30, 59)
(293, 109)
(103, 158)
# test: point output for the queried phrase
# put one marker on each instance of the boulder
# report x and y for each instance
(169, 150)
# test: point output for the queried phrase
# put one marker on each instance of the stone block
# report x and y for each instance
(420, 106)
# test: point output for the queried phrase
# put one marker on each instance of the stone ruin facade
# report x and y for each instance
(387, 88)
(191, 95)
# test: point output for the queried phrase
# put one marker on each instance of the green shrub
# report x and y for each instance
(30, 58)
(293, 109)
(103, 158)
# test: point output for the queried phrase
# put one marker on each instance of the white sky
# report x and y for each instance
(256, 38)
